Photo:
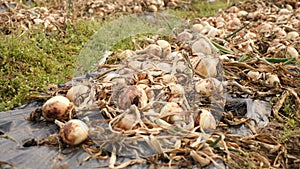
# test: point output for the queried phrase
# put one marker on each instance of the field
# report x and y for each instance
(45, 44)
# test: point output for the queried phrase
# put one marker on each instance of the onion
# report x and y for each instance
(73, 132)
(169, 78)
(184, 36)
(132, 95)
(292, 35)
(272, 80)
(154, 50)
(209, 87)
(130, 119)
(254, 75)
(77, 94)
(207, 120)
(165, 45)
(206, 66)
(197, 28)
(292, 52)
(58, 107)
(202, 46)
(169, 109)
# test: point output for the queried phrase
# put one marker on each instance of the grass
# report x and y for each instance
(289, 130)
(199, 8)
(31, 61)
(291, 126)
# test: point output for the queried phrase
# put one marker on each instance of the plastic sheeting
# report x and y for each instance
(16, 131)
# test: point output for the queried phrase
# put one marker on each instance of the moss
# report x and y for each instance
(31, 61)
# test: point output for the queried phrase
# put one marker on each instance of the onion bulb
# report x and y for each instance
(207, 120)
(209, 87)
(77, 94)
(184, 36)
(73, 132)
(58, 107)
(152, 50)
(202, 46)
(169, 111)
(254, 75)
(272, 80)
(130, 119)
(132, 95)
(206, 66)
(165, 45)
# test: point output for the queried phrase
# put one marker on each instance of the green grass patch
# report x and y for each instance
(199, 8)
(30, 61)
(291, 129)
(291, 126)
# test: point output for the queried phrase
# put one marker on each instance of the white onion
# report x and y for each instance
(57, 107)
(73, 132)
